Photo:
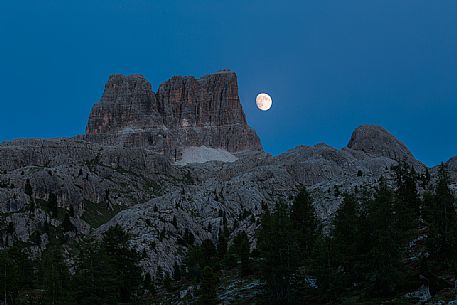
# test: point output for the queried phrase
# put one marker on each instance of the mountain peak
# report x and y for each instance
(378, 141)
(184, 112)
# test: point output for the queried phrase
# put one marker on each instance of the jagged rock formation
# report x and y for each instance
(452, 167)
(127, 101)
(120, 171)
(377, 141)
(184, 112)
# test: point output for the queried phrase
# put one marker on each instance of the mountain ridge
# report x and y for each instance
(113, 178)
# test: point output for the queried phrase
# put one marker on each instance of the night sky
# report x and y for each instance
(330, 66)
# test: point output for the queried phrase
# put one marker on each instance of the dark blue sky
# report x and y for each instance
(329, 65)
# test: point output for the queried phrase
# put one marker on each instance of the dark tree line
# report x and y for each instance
(107, 272)
(205, 262)
(369, 252)
(286, 242)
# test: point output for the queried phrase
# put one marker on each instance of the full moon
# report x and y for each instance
(263, 101)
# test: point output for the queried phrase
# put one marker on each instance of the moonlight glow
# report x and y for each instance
(263, 101)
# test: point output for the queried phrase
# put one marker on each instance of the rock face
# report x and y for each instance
(377, 141)
(184, 112)
(128, 101)
(451, 166)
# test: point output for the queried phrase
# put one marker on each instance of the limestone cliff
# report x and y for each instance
(184, 112)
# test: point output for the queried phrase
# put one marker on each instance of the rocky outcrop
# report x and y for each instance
(128, 101)
(377, 141)
(451, 166)
(185, 112)
(90, 182)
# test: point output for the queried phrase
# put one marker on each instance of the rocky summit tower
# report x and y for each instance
(184, 112)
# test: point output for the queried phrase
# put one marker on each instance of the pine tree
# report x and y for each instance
(193, 263)
(188, 237)
(325, 268)
(242, 250)
(222, 244)
(148, 284)
(162, 234)
(425, 179)
(52, 205)
(304, 222)
(8, 277)
(209, 253)
(346, 242)
(280, 253)
(28, 188)
(17, 274)
(123, 263)
(167, 282)
(441, 217)
(72, 211)
(176, 272)
(55, 277)
(67, 225)
(384, 256)
(94, 280)
(208, 287)
(159, 275)
(407, 202)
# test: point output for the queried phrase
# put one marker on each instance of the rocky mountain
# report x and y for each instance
(124, 170)
(184, 112)
(375, 140)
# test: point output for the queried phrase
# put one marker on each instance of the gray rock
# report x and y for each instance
(185, 112)
(122, 170)
(377, 141)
